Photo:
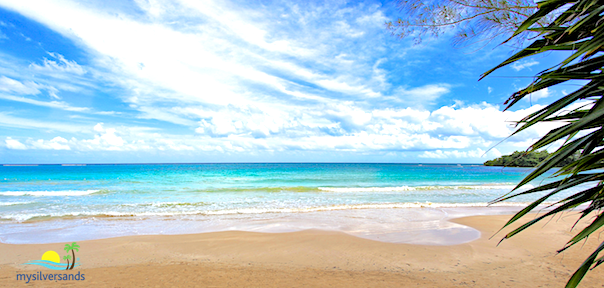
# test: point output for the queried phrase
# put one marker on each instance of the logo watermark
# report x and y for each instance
(51, 260)
(41, 276)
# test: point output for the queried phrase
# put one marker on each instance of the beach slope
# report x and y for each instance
(317, 259)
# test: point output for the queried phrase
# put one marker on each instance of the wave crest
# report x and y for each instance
(49, 193)
(14, 203)
(415, 188)
(251, 211)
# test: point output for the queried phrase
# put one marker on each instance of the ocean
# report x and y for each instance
(403, 203)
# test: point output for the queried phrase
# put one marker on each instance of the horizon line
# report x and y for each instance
(201, 163)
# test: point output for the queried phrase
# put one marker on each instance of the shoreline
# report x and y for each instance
(321, 258)
(410, 225)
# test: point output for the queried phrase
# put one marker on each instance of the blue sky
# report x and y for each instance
(247, 81)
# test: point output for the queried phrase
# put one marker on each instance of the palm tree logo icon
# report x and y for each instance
(67, 257)
(51, 259)
(72, 247)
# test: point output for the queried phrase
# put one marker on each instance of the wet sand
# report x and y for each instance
(315, 258)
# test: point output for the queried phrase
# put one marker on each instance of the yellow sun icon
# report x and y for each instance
(51, 256)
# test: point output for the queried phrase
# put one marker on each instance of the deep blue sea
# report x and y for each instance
(98, 201)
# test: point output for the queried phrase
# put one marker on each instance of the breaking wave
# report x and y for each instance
(49, 193)
(252, 211)
(415, 188)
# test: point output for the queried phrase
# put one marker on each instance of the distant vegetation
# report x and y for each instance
(531, 159)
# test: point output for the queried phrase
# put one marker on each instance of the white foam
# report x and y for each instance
(164, 204)
(364, 206)
(13, 203)
(413, 188)
(49, 193)
(258, 211)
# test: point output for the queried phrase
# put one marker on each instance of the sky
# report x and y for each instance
(153, 81)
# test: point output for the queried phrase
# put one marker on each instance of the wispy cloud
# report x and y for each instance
(60, 65)
(422, 97)
(477, 153)
(206, 65)
(12, 85)
(225, 77)
(7, 120)
(52, 104)
(520, 65)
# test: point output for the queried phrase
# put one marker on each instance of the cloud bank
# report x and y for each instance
(227, 78)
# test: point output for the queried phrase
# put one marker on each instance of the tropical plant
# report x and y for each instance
(573, 27)
(71, 248)
(578, 29)
(67, 257)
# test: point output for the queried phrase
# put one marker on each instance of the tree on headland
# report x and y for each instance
(528, 159)
(576, 28)
(71, 248)
(67, 257)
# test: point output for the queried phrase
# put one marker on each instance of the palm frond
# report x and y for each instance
(580, 30)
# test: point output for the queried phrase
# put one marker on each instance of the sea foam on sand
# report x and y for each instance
(428, 226)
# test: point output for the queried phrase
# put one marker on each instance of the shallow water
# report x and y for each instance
(405, 203)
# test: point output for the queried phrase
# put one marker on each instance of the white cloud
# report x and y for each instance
(98, 127)
(61, 65)
(245, 85)
(543, 93)
(7, 120)
(26, 87)
(51, 104)
(205, 64)
(105, 138)
(152, 7)
(14, 144)
(25, 37)
(57, 143)
(484, 119)
(456, 154)
(519, 65)
(12, 85)
(422, 96)
(447, 132)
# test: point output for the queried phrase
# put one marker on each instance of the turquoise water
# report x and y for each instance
(232, 194)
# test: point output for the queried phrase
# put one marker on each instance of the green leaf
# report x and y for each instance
(558, 185)
(580, 273)
(570, 128)
(545, 7)
(551, 162)
(595, 225)
(578, 199)
(578, 27)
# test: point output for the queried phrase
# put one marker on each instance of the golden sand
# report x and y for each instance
(315, 258)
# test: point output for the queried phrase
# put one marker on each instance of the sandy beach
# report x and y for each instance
(315, 258)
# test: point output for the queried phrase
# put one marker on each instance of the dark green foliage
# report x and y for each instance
(578, 29)
(575, 28)
(528, 159)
